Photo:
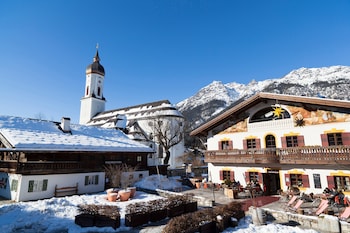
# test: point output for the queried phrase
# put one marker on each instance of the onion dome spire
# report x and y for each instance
(96, 67)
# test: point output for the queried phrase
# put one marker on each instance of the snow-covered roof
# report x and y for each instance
(143, 111)
(33, 134)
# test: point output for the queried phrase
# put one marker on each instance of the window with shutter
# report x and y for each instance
(45, 185)
(31, 186)
(91, 180)
(342, 182)
(292, 141)
(225, 145)
(37, 185)
(251, 143)
(334, 139)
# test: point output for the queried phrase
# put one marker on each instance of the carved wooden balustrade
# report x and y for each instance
(261, 156)
(291, 155)
(315, 155)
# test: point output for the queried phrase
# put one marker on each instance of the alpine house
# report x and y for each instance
(281, 141)
(38, 158)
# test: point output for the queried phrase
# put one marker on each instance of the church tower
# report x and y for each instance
(93, 101)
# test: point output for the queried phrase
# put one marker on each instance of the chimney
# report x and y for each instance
(65, 124)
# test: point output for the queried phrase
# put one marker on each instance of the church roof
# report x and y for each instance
(33, 134)
(95, 66)
(162, 108)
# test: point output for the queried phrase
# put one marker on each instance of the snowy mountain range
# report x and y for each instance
(326, 82)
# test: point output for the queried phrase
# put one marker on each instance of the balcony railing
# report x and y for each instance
(315, 155)
(261, 156)
(291, 155)
(43, 167)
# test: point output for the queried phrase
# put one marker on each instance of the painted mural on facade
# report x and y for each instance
(317, 117)
(301, 117)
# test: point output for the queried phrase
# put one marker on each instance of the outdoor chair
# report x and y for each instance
(346, 214)
(321, 208)
(297, 205)
(291, 201)
(315, 209)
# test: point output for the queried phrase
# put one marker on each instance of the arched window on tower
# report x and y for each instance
(99, 91)
(87, 90)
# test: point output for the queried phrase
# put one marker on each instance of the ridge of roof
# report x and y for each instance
(153, 104)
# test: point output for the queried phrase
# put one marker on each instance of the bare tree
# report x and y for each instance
(168, 133)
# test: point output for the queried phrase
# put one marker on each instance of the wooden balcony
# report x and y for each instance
(50, 167)
(258, 156)
(315, 155)
(292, 155)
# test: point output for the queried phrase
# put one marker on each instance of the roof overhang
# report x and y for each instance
(237, 111)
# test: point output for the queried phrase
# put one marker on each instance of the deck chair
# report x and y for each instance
(345, 214)
(297, 205)
(315, 208)
(322, 208)
(292, 200)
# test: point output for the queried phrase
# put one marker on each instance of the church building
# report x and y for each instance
(138, 122)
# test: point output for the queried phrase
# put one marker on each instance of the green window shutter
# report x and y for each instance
(45, 185)
(31, 186)
(86, 180)
(96, 179)
(14, 185)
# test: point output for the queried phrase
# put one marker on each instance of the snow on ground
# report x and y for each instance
(56, 215)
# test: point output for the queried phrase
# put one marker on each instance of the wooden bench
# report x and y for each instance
(66, 191)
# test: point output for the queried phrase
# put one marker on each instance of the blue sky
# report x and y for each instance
(157, 49)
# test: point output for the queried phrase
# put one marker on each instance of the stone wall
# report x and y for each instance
(323, 223)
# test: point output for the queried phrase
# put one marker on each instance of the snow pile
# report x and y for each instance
(154, 182)
(56, 215)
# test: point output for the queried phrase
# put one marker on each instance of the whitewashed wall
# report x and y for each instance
(61, 180)
(312, 134)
